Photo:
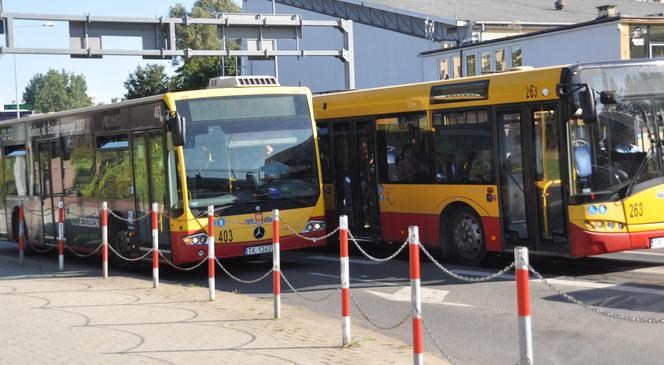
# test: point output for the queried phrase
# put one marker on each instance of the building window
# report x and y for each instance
(443, 70)
(456, 67)
(516, 57)
(638, 41)
(486, 63)
(403, 145)
(463, 147)
(470, 65)
(499, 54)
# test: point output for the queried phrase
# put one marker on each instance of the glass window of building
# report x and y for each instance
(486, 63)
(499, 54)
(516, 57)
(443, 70)
(456, 67)
(470, 65)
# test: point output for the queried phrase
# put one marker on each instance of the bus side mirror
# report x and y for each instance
(608, 97)
(177, 126)
(589, 110)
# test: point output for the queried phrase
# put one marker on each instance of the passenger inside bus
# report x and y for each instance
(410, 168)
(623, 138)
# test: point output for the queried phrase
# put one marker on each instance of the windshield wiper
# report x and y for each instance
(653, 142)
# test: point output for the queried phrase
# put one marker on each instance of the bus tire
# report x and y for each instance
(467, 237)
(445, 237)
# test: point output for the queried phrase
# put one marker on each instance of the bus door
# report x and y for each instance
(354, 166)
(149, 183)
(531, 196)
(50, 165)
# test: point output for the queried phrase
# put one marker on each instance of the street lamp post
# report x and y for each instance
(18, 101)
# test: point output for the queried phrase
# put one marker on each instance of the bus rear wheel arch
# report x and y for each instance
(462, 235)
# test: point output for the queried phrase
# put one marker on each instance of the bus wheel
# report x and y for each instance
(121, 245)
(467, 237)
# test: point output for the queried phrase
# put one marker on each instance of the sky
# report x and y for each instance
(105, 77)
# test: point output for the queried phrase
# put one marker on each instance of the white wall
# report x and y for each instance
(382, 57)
(600, 42)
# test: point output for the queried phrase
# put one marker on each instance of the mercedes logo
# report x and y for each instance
(259, 232)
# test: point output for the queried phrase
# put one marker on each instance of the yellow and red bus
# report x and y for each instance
(246, 146)
(565, 160)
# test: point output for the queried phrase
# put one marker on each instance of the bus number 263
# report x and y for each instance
(636, 210)
(226, 235)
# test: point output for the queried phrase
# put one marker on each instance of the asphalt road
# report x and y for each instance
(474, 323)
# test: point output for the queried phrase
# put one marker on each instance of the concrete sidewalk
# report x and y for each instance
(75, 317)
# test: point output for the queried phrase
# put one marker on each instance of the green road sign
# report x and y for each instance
(22, 107)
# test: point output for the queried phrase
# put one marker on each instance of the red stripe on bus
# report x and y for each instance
(522, 292)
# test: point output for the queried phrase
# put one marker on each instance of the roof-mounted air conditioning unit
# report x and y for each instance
(242, 81)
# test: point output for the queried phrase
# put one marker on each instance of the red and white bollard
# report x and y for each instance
(155, 245)
(523, 305)
(345, 280)
(211, 256)
(276, 264)
(61, 236)
(21, 234)
(414, 255)
(104, 239)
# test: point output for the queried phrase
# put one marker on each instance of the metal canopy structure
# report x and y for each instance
(417, 25)
(259, 33)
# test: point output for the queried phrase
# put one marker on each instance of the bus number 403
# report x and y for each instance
(226, 236)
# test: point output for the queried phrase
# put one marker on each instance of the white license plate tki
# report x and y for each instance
(257, 250)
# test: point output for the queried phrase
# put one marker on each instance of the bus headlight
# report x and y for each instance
(313, 226)
(195, 239)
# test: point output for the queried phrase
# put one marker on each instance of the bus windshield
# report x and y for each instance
(247, 149)
(613, 156)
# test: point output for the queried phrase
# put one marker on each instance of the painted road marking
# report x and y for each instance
(554, 281)
(427, 295)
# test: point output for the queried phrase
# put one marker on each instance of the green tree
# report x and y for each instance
(194, 73)
(146, 81)
(57, 91)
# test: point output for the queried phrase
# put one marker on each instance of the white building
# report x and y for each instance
(390, 35)
(609, 37)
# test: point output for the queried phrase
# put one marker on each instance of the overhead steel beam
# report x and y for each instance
(417, 25)
(158, 36)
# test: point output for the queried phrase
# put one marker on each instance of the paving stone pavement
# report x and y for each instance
(76, 317)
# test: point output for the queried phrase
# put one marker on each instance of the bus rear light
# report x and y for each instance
(313, 226)
(195, 239)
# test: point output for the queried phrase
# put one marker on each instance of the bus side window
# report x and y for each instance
(463, 147)
(405, 148)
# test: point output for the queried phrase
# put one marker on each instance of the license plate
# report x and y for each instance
(257, 250)
(657, 242)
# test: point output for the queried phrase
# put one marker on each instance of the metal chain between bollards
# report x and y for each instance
(305, 298)
(437, 344)
(180, 267)
(241, 280)
(38, 212)
(591, 308)
(470, 279)
(377, 259)
(85, 255)
(312, 239)
(132, 220)
(374, 323)
(128, 258)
